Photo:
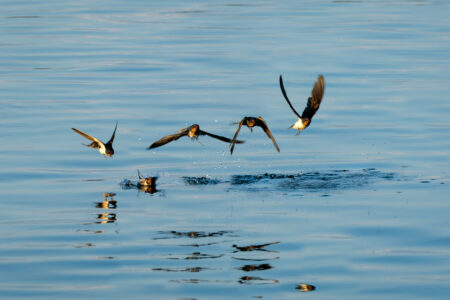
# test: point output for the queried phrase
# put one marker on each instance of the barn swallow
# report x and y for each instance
(193, 132)
(104, 149)
(251, 122)
(147, 184)
(311, 107)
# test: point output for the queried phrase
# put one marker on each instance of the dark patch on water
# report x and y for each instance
(249, 248)
(196, 245)
(315, 181)
(196, 256)
(203, 180)
(193, 280)
(191, 270)
(256, 280)
(192, 234)
(251, 268)
(255, 259)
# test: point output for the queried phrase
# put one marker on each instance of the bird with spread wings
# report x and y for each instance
(193, 132)
(104, 149)
(311, 106)
(251, 122)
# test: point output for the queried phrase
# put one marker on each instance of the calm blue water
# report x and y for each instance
(357, 205)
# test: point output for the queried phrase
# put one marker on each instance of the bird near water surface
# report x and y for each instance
(251, 122)
(311, 106)
(193, 132)
(104, 149)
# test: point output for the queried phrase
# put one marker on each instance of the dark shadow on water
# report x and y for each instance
(251, 268)
(190, 234)
(256, 280)
(195, 256)
(190, 270)
(313, 181)
(255, 259)
(260, 247)
(197, 245)
(193, 280)
(203, 180)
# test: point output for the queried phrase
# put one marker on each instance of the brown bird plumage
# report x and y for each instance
(251, 122)
(193, 132)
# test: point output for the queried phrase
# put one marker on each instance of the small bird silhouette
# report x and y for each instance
(104, 149)
(311, 107)
(251, 122)
(193, 132)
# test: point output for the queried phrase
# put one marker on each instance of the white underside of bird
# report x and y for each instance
(298, 125)
(102, 149)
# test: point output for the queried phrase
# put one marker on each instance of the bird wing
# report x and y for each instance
(286, 97)
(111, 140)
(222, 138)
(261, 123)
(96, 143)
(316, 97)
(169, 138)
(233, 142)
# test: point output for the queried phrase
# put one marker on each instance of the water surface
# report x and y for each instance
(356, 206)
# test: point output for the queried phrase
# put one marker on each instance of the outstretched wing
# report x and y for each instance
(169, 138)
(222, 138)
(316, 97)
(286, 97)
(233, 142)
(111, 140)
(261, 123)
(95, 142)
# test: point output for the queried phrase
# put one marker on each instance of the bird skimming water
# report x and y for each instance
(193, 132)
(251, 122)
(104, 149)
(311, 106)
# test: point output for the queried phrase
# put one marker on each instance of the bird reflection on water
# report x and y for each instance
(107, 204)
(260, 247)
(256, 280)
(205, 258)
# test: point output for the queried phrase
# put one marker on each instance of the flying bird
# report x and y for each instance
(193, 132)
(311, 106)
(104, 149)
(251, 122)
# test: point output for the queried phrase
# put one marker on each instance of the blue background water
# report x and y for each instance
(358, 202)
